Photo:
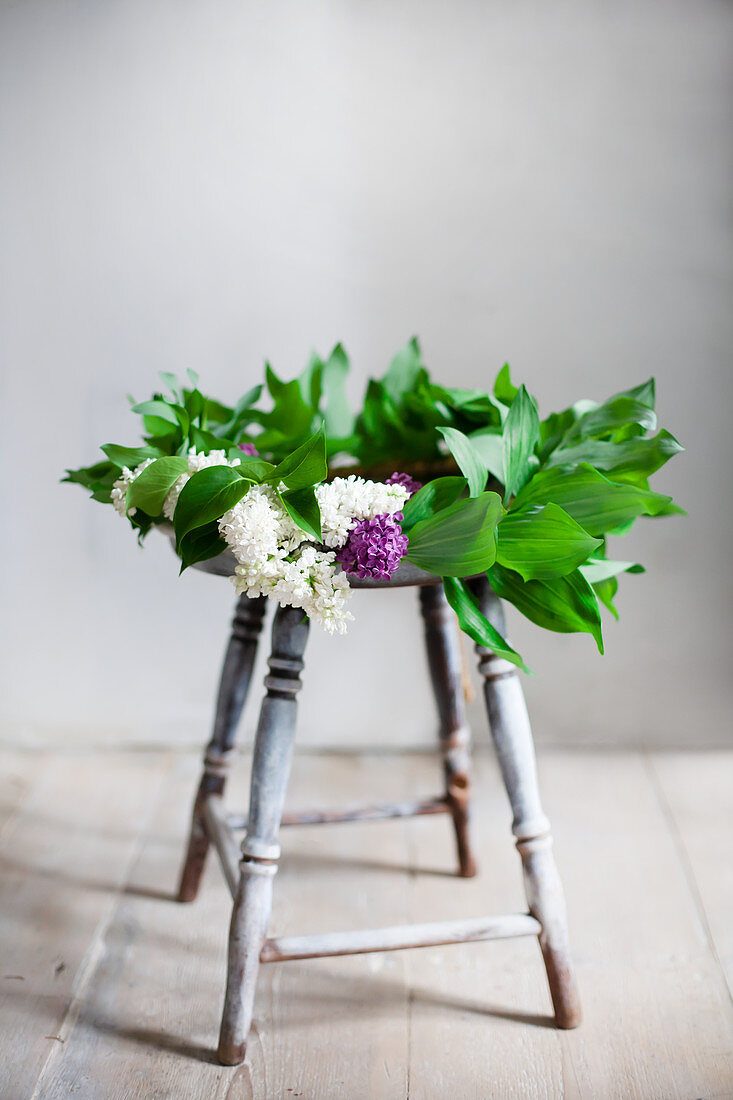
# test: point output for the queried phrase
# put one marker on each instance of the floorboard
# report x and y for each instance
(128, 984)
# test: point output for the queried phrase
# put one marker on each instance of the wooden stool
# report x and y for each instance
(250, 872)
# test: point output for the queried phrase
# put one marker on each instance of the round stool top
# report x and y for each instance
(404, 576)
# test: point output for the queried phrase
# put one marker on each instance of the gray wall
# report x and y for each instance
(190, 184)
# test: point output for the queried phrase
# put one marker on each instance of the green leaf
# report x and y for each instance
(193, 377)
(339, 419)
(521, 433)
(617, 412)
(128, 456)
(205, 441)
(565, 604)
(432, 498)
(403, 371)
(172, 383)
(596, 570)
(605, 592)
(645, 393)
(504, 388)
(595, 502)
(490, 445)
(229, 425)
(635, 456)
(201, 544)
(458, 541)
(468, 458)
(306, 466)
(542, 543)
(206, 496)
(302, 507)
(475, 624)
(250, 466)
(157, 408)
(150, 488)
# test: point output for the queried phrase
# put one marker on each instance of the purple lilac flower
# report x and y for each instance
(248, 448)
(406, 481)
(375, 547)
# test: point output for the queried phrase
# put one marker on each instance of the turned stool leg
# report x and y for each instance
(512, 737)
(273, 753)
(444, 660)
(234, 684)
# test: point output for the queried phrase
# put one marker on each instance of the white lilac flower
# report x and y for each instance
(118, 493)
(345, 501)
(307, 579)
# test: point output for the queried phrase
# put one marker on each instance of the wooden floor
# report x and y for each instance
(109, 988)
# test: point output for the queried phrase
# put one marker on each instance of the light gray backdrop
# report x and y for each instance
(190, 184)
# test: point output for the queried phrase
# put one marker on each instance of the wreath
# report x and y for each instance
(305, 493)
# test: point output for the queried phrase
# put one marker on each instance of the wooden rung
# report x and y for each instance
(317, 946)
(220, 834)
(354, 813)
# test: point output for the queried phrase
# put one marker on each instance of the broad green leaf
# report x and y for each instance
(206, 496)
(98, 479)
(338, 417)
(645, 393)
(458, 541)
(250, 466)
(490, 445)
(595, 502)
(128, 456)
(617, 412)
(193, 377)
(504, 388)
(150, 488)
(542, 543)
(521, 434)
(403, 371)
(636, 456)
(306, 466)
(302, 507)
(196, 406)
(565, 604)
(205, 441)
(291, 415)
(432, 498)
(475, 624)
(605, 590)
(600, 569)
(201, 544)
(159, 410)
(468, 458)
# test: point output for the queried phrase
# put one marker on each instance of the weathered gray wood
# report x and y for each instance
(446, 674)
(359, 812)
(512, 737)
(399, 937)
(236, 676)
(271, 762)
(219, 832)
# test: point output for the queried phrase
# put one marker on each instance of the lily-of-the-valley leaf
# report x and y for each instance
(475, 624)
(521, 433)
(431, 499)
(540, 543)
(459, 541)
(469, 460)
(595, 501)
(566, 604)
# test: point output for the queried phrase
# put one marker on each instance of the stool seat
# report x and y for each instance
(406, 575)
(250, 866)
